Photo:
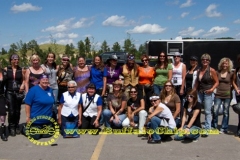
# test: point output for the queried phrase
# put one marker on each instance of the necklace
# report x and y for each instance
(111, 72)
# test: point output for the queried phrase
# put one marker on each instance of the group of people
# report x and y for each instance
(119, 96)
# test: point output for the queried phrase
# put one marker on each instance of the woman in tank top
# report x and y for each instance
(14, 85)
(82, 75)
(206, 82)
(191, 74)
(33, 73)
(223, 93)
(50, 68)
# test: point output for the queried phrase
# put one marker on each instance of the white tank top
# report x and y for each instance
(177, 75)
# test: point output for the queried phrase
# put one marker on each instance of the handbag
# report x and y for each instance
(20, 96)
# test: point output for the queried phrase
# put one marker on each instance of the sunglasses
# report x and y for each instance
(190, 96)
(15, 59)
(168, 85)
(161, 56)
(144, 60)
(72, 87)
(65, 59)
(205, 59)
(133, 91)
(176, 56)
(154, 100)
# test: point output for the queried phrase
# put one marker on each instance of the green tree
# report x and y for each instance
(87, 46)
(116, 47)
(81, 48)
(54, 45)
(3, 51)
(128, 45)
(13, 49)
(4, 62)
(69, 51)
(22, 47)
(104, 47)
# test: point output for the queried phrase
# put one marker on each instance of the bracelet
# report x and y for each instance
(188, 127)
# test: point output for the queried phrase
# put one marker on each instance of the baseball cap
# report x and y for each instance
(114, 57)
(177, 54)
(195, 58)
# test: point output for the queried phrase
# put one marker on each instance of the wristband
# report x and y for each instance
(188, 127)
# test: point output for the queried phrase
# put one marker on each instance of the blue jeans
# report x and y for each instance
(107, 114)
(154, 124)
(55, 110)
(207, 101)
(157, 89)
(194, 134)
(225, 120)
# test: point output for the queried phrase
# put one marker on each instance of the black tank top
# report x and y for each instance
(2, 83)
(10, 79)
(34, 79)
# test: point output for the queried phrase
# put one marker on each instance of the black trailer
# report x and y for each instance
(217, 49)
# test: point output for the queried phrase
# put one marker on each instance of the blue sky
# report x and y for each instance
(69, 21)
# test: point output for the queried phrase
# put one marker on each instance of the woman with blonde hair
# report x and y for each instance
(223, 93)
(33, 73)
(117, 101)
(205, 83)
(170, 98)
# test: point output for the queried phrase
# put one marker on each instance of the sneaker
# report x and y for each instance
(223, 132)
(195, 140)
(204, 135)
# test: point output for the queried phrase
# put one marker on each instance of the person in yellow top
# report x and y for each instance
(146, 76)
(130, 74)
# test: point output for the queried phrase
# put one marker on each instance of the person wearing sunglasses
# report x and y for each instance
(205, 84)
(115, 114)
(170, 98)
(191, 120)
(157, 113)
(223, 95)
(130, 74)
(136, 114)
(236, 85)
(14, 84)
(70, 110)
(191, 74)
(178, 78)
(163, 72)
(65, 74)
(146, 75)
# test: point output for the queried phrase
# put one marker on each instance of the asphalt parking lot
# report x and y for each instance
(125, 146)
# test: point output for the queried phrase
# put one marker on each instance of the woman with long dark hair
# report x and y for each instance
(99, 75)
(163, 73)
(50, 68)
(14, 87)
(191, 120)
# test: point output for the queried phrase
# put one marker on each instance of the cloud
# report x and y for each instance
(25, 7)
(174, 2)
(211, 11)
(65, 41)
(118, 21)
(64, 35)
(237, 21)
(68, 24)
(83, 22)
(187, 4)
(216, 31)
(191, 32)
(147, 28)
(72, 35)
(59, 28)
(184, 14)
(238, 35)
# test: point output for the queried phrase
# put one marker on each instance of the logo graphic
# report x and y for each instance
(49, 130)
